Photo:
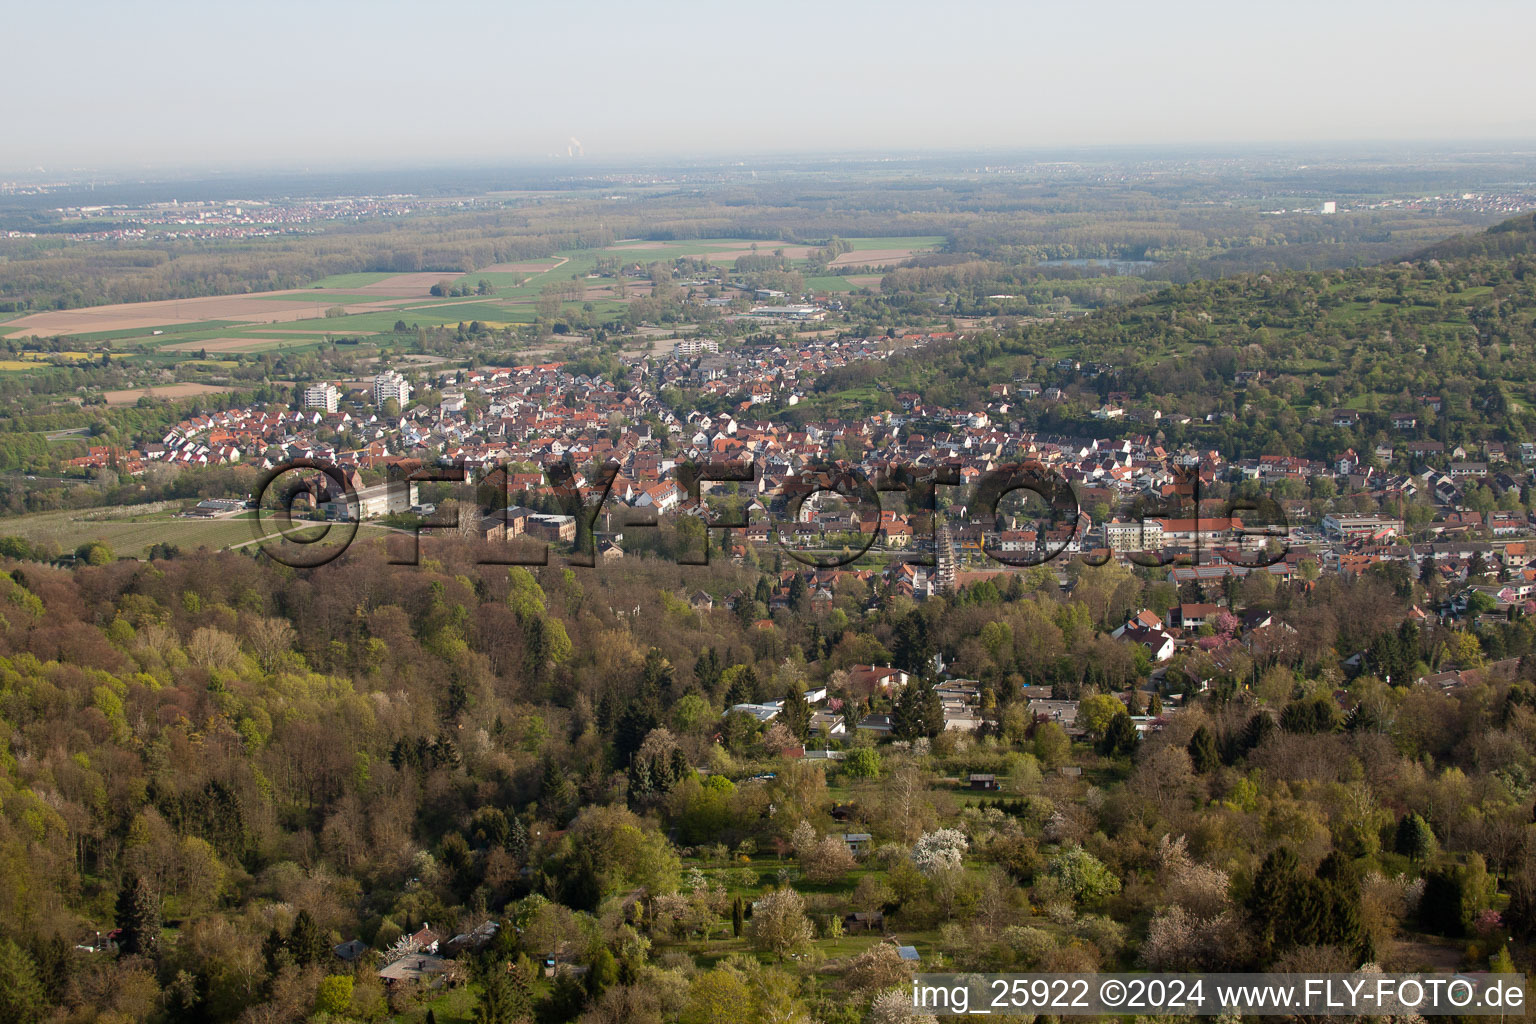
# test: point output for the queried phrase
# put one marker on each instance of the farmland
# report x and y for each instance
(363, 305)
(131, 530)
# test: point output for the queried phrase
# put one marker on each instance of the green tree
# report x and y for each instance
(1095, 713)
(1121, 737)
(919, 711)
(501, 1001)
(334, 995)
(863, 763)
(94, 553)
(1273, 894)
(21, 994)
(307, 942)
(1203, 754)
(138, 918)
(1082, 876)
(602, 972)
(1052, 746)
(796, 713)
(1414, 839)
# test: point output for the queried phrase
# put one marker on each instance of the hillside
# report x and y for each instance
(1260, 362)
(1513, 237)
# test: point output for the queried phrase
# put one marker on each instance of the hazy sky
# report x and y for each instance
(102, 85)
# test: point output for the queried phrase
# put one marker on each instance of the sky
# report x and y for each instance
(332, 84)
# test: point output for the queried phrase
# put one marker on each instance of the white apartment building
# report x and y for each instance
(1133, 535)
(390, 384)
(690, 347)
(322, 396)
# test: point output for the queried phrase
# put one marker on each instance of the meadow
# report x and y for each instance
(131, 534)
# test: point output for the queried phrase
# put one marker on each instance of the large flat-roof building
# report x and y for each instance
(790, 312)
(390, 384)
(1345, 525)
(372, 502)
(322, 396)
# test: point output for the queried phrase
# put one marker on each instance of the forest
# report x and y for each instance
(239, 766)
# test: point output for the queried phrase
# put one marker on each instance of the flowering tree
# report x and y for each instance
(803, 839)
(779, 925)
(895, 1007)
(943, 850)
(404, 946)
(828, 861)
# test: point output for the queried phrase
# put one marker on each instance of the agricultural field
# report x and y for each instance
(129, 396)
(362, 305)
(130, 533)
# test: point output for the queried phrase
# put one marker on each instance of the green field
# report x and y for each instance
(131, 535)
(829, 283)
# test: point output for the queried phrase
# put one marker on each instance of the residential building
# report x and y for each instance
(322, 396)
(391, 384)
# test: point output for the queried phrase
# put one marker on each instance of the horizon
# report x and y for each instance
(706, 84)
(1304, 154)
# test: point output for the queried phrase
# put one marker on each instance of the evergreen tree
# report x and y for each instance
(796, 714)
(1273, 895)
(1203, 753)
(737, 913)
(640, 716)
(138, 918)
(657, 676)
(641, 784)
(746, 611)
(816, 646)
(602, 972)
(51, 958)
(913, 644)
(307, 942)
(500, 1002)
(1414, 838)
(1307, 916)
(1256, 729)
(1342, 925)
(797, 594)
(933, 710)
(22, 1000)
(707, 669)
(681, 769)
(1120, 738)
(1443, 908)
(743, 688)
(1318, 714)
(607, 711)
(274, 951)
(919, 711)
(517, 838)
